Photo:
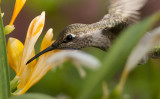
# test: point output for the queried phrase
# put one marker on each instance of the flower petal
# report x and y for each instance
(14, 53)
(47, 40)
(80, 69)
(33, 33)
(78, 56)
(24, 77)
(18, 6)
(85, 59)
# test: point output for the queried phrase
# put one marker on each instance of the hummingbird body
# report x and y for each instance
(100, 34)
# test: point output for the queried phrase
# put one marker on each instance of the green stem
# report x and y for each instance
(4, 72)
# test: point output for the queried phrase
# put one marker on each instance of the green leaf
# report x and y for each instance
(117, 55)
(32, 96)
(4, 74)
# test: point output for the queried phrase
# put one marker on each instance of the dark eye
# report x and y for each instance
(69, 38)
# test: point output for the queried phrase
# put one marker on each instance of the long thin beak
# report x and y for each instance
(50, 48)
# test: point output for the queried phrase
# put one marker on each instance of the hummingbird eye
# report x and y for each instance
(69, 37)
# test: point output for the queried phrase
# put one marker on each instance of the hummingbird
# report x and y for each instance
(121, 13)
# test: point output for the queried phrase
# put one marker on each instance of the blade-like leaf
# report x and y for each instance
(32, 96)
(117, 54)
(4, 76)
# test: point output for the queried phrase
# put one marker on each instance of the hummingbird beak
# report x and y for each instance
(50, 48)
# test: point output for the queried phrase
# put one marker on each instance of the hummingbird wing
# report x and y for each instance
(121, 13)
(124, 11)
(127, 9)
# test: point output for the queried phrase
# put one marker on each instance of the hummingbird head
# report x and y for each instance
(73, 36)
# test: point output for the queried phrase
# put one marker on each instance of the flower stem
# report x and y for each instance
(4, 72)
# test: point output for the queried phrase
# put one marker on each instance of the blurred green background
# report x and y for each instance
(142, 83)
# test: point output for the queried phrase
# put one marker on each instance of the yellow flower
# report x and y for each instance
(18, 6)
(19, 54)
